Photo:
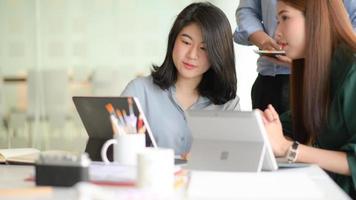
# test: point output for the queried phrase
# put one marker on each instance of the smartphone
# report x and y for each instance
(270, 53)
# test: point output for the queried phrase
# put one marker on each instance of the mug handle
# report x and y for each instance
(104, 149)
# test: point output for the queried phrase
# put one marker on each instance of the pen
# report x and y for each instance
(121, 118)
(121, 121)
(129, 101)
(127, 119)
(113, 118)
(132, 116)
(130, 123)
(27, 192)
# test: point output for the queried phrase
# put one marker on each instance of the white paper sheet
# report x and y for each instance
(112, 172)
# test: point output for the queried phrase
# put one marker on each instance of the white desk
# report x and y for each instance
(330, 189)
(12, 177)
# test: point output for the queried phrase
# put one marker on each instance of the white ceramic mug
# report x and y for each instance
(155, 170)
(126, 148)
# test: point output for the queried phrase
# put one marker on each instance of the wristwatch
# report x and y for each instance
(293, 152)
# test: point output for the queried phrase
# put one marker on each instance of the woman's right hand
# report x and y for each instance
(263, 41)
(279, 143)
(185, 156)
(269, 44)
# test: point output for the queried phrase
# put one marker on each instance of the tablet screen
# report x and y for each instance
(96, 118)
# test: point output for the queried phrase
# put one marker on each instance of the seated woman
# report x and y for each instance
(198, 72)
(321, 127)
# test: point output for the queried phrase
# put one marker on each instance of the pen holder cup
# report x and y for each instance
(126, 148)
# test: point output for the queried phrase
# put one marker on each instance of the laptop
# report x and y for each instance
(229, 141)
(96, 120)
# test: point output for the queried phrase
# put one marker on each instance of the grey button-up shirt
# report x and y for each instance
(164, 114)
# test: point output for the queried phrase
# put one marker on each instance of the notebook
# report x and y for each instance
(96, 120)
(229, 141)
(19, 155)
(26, 155)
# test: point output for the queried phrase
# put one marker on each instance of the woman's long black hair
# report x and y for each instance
(219, 82)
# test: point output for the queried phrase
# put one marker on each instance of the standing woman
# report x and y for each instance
(319, 38)
(256, 25)
(198, 72)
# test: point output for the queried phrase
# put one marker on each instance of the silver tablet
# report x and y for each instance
(229, 141)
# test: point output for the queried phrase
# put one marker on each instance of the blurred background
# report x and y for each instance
(51, 50)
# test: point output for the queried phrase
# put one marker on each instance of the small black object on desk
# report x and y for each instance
(62, 170)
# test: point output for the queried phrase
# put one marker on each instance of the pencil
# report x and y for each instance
(113, 118)
(110, 109)
(120, 115)
(130, 122)
(26, 192)
(129, 101)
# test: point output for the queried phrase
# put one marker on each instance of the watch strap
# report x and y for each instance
(293, 152)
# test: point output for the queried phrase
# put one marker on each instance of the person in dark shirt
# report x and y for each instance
(321, 126)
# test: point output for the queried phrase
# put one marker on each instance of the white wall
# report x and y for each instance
(245, 58)
(83, 35)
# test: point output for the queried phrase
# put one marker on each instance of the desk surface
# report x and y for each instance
(13, 177)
